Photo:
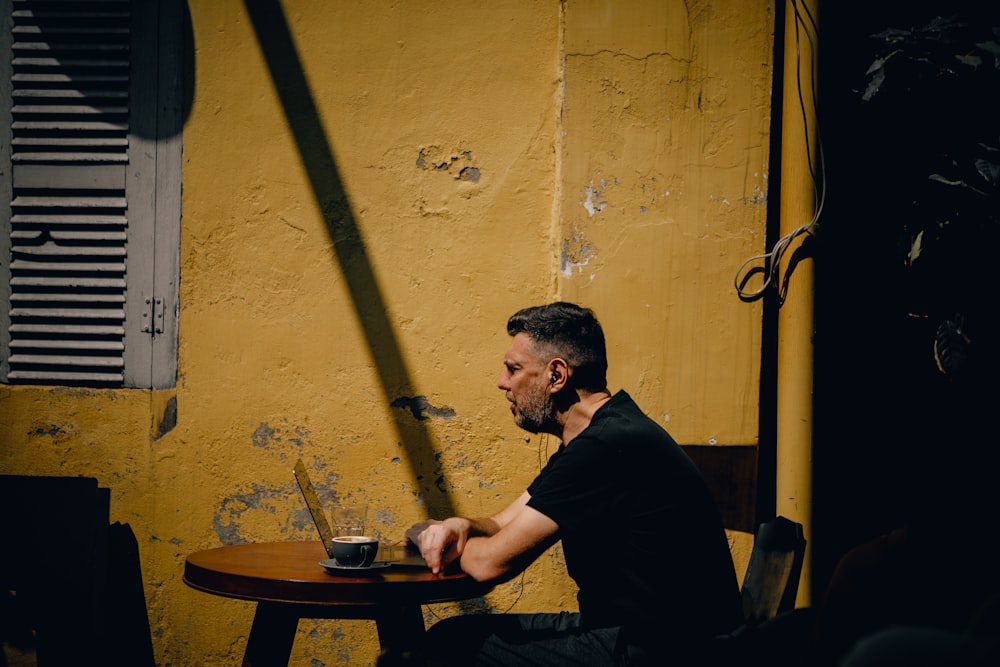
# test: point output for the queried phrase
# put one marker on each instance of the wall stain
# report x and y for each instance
(169, 419)
(228, 520)
(297, 522)
(58, 434)
(296, 435)
(421, 409)
(385, 517)
(41, 431)
(262, 436)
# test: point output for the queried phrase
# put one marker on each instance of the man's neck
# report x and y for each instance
(577, 417)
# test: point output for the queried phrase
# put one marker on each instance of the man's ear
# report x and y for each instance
(558, 374)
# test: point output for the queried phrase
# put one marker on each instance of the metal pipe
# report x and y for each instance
(798, 205)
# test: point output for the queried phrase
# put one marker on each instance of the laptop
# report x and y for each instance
(396, 554)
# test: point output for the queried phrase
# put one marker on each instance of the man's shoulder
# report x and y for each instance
(622, 413)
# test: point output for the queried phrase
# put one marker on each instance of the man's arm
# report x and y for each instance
(492, 549)
(505, 553)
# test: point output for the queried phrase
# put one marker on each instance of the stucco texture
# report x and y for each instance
(366, 198)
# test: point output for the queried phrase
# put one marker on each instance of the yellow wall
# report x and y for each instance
(614, 154)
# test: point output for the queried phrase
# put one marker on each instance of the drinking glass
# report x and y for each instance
(349, 519)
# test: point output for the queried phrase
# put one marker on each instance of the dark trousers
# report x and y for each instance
(522, 640)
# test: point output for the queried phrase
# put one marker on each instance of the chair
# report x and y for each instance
(773, 631)
(70, 582)
(772, 577)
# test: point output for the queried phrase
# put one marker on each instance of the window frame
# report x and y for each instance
(152, 190)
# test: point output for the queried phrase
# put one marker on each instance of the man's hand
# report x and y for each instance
(493, 549)
(439, 542)
(410, 538)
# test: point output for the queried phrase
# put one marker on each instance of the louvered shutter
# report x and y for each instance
(81, 228)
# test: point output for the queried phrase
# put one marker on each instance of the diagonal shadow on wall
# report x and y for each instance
(289, 80)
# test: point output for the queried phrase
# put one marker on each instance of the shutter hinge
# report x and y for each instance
(152, 316)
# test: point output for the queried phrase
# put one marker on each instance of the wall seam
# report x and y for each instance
(557, 147)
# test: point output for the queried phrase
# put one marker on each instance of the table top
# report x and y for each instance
(290, 572)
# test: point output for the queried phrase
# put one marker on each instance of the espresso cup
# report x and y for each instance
(354, 550)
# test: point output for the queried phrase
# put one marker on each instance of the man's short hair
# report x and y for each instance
(568, 331)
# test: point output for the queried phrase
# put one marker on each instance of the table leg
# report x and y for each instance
(399, 627)
(271, 636)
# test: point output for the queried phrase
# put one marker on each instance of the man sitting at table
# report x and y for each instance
(642, 536)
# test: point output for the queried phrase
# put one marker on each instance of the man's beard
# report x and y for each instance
(535, 414)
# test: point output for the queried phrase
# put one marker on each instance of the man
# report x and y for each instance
(642, 537)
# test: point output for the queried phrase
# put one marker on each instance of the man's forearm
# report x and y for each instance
(480, 527)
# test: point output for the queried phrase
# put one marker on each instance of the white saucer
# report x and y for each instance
(332, 567)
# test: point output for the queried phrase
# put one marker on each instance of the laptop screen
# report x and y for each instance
(396, 554)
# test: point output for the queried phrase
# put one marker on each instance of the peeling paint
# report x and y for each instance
(758, 197)
(227, 520)
(385, 517)
(51, 431)
(576, 253)
(56, 433)
(262, 436)
(434, 159)
(593, 202)
(266, 436)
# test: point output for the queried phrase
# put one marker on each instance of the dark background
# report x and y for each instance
(898, 441)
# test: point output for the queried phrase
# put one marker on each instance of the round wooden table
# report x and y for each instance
(288, 583)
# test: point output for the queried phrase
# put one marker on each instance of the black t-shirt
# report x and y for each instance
(641, 534)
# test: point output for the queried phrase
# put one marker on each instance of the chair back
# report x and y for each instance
(772, 577)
